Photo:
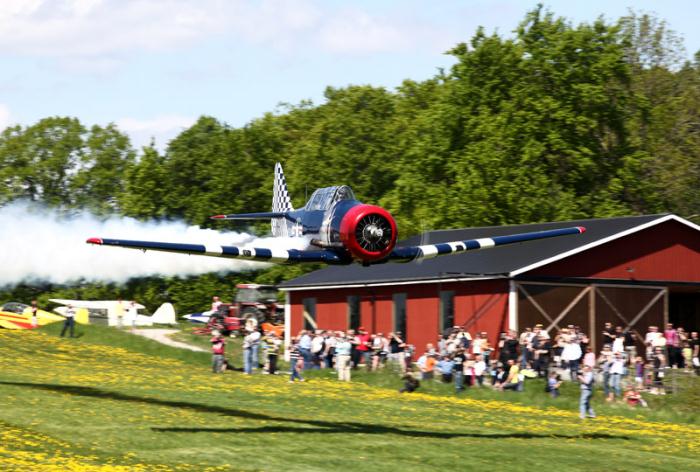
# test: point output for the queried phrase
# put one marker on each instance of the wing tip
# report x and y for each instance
(581, 229)
(218, 217)
(94, 241)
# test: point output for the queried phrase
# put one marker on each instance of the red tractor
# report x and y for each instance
(253, 305)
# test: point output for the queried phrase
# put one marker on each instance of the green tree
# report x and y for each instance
(104, 164)
(145, 187)
(37, 162)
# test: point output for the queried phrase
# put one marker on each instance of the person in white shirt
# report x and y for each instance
(479, 369)
(343, 347)
(329, 349)
(215, 304)
(617, 369)
(69, 322)
(250, 351)
(317, 346)
(132, 313)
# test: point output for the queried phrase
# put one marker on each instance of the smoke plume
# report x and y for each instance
(39, 244)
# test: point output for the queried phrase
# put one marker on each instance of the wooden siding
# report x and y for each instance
(480, 305)
(669, 251)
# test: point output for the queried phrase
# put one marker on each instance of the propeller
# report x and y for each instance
(373, 233)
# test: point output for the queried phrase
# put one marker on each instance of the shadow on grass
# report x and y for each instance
(317, 426)
(345, 428)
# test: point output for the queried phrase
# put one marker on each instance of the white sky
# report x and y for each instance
(154, 66)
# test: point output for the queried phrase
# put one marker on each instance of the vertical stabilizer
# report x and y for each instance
(280, 203)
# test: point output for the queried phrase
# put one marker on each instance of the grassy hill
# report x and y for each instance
(111, 401)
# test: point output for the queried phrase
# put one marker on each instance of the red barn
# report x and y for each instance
(632, 271)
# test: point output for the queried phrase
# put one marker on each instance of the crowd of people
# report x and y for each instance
(471, 361)
(348, 350)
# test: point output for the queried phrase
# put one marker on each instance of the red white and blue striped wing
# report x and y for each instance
(232, 252)
(429, 251)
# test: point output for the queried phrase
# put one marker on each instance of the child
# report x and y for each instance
(468, 371)
(218, 345)
(296, 363)
(445, 366)
(479, 368)
(687, 356)
(553, 384)
(639, 372)
(634, 398)
(273, 344)
(410, 383)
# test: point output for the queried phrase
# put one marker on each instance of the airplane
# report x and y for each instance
(14, 315)
(109, 309)
(338, 229)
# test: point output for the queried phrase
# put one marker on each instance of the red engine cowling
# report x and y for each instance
(368, 232)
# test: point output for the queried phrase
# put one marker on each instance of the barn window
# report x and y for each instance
(309, 313)
(400, 313)
(354, 312)
(447, 310)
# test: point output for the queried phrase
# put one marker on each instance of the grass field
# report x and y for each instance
(111, 401)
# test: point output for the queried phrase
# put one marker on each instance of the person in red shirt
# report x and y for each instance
(364, 347)
(218, 346)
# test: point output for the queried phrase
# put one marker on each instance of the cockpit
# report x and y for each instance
(323, 198)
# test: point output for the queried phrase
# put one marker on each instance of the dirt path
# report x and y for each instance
(161, 335)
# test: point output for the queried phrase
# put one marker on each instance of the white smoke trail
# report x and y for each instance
(38, 244)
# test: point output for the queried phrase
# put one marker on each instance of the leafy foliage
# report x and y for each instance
(560, 121)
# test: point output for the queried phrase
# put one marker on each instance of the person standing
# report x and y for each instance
(119, 312)
(296, 362)
(585, 379)
(605, 361)
(218, 345)
(479, 369)
(695, 350)
(659, 362)
(250, 350)
(364, 346)
(343, 350)
(458, 369)
(35, 314)
(215, 304)
(69, 322)
(132, 313)
(672, 346)
(273, 350)
(617, 368)
(305, 340)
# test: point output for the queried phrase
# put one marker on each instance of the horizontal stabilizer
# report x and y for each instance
(253, 216)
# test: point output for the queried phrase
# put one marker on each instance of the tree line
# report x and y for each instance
(559, 121)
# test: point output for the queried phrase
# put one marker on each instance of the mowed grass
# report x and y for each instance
(111, 401)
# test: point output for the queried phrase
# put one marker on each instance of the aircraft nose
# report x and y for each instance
(373, 233)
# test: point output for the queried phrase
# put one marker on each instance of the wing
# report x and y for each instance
(231, 252)
(429, 251)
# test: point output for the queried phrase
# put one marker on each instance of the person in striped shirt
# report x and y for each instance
(296, 362)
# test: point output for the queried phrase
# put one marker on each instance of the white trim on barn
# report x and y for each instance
(387, 284)
(512, 306)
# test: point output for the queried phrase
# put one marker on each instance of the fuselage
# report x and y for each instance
(334, 219)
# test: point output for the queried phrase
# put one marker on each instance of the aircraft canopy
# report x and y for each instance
(323, 198)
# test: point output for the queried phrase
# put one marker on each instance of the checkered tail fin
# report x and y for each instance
(280, 203)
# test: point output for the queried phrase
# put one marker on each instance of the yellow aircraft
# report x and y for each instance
(15, 315)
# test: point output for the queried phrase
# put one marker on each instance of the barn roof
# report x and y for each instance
(505, 261)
